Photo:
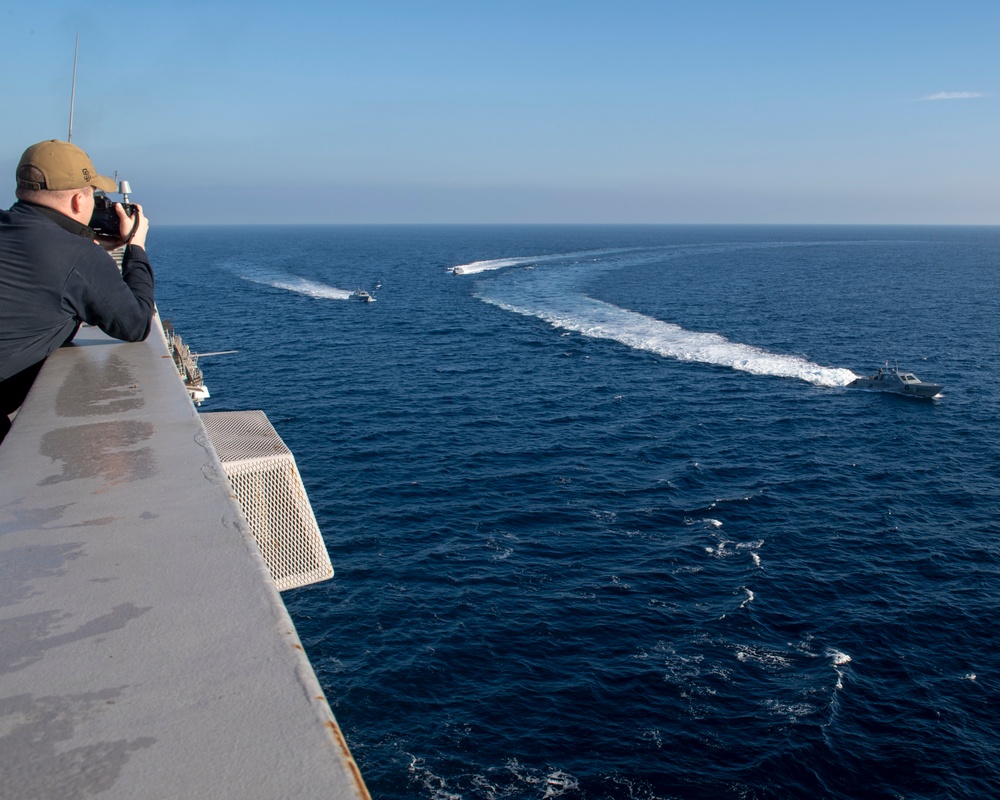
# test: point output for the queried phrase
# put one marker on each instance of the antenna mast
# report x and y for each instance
(72, 94)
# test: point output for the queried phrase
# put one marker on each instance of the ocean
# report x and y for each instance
(605, 520)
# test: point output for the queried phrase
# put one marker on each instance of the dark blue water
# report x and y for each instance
(606, 522)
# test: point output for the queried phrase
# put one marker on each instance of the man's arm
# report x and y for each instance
(138, 276)
(120, 304)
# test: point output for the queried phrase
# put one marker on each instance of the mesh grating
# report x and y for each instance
(269, 490)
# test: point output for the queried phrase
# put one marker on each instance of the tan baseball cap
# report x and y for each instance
(64, 166)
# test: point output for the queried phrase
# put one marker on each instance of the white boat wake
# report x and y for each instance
(552, 295)
(601, 320)
(293, 283)
(499, 263)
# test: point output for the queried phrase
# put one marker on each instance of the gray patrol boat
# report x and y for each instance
(890, 379)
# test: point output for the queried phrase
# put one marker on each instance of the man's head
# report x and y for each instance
(60, 175)
(54, 166)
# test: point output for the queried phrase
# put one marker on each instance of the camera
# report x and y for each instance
(105, 221)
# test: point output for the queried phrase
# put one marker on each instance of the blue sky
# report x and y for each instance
(544, 111)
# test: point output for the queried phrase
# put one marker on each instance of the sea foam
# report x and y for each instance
(600, 320)
(555, 298)
(491, 265)
(293, 283)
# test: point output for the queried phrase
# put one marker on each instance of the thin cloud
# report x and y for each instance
(952, 96)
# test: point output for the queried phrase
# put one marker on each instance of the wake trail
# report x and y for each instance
(293, 283)
(552, 295)
(600, 320)
(491, 265)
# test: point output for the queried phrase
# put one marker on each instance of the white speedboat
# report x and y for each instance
(890, 379)
(362, 296)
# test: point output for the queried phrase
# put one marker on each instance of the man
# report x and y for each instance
(53, 276)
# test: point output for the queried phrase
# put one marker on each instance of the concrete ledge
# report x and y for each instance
(144, 651)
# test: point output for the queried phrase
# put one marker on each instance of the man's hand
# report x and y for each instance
(137, 220)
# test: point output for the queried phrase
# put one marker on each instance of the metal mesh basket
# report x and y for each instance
(269, 490)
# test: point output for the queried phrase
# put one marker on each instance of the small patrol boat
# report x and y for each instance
(891, 379)
(362, 296)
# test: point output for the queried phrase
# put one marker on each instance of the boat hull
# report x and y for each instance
(921, 389)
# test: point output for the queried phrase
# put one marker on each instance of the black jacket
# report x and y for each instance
(53, 277)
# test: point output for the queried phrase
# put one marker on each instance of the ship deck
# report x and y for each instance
(144, 650)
